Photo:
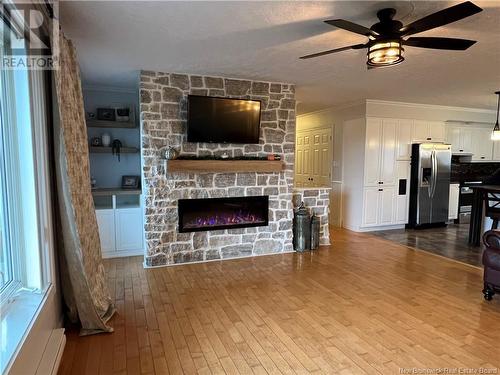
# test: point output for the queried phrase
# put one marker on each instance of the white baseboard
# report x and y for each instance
(373, 229)
(51, 359)
(123, 253)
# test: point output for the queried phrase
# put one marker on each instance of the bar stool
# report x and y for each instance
(492, 206)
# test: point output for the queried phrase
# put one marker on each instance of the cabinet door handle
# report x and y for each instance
(461, 150)
(380, 182)
(429, 139)
(482, 157)
(380, 189)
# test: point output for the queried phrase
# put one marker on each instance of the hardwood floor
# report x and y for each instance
(451, 241)
(361, 306)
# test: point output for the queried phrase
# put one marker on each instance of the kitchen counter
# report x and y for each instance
(99, 192)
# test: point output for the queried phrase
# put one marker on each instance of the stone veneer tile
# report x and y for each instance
(163, 105)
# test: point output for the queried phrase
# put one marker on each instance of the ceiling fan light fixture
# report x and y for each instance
(385, 53)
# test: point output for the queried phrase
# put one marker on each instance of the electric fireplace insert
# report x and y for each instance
(222, 213)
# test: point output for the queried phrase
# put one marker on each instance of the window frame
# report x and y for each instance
(39, 83)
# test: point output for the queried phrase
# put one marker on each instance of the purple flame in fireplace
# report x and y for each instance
(221, 213)
(240, 217)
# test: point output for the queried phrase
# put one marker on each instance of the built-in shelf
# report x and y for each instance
(109, 150)
(211, 166)
(115, 191)
(110, 124)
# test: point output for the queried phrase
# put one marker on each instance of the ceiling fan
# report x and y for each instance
(385, 38)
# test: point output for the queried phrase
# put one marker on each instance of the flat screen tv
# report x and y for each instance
(223, 120)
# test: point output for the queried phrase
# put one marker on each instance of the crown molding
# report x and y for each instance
(430, 106)
(334, 108)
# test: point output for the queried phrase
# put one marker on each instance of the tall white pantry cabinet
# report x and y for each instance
(377, 195)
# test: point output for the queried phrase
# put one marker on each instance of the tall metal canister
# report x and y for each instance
(315, 226)
(301, 229)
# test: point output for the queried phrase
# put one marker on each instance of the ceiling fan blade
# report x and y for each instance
(441, 18)
(352, 27)
(439, 43)
(356, 46)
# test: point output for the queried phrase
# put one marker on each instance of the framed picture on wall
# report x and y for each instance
(130, 182)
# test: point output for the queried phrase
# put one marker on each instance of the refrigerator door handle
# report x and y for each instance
(434, 172)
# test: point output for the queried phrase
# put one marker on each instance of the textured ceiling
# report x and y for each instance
(263, 40)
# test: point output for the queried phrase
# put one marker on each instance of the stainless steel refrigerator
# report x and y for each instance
(429, 184)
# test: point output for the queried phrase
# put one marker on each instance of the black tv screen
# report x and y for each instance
(223, 120)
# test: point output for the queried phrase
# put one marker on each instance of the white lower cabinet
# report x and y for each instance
(453, 203)
(378, 206)
(106, 224)
(129, 229)
(402, 193)
(370, 205)
(386, 197)
(121, 228)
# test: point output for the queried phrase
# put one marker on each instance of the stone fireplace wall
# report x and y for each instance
(163, 106)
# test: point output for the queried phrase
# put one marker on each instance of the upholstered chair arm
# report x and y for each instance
(491, 255)
(491, 239)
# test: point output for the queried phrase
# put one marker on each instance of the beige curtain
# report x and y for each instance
(82, 272)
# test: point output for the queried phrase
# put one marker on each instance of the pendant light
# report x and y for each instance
(495, 134)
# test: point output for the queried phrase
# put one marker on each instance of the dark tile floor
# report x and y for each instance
(450, 241)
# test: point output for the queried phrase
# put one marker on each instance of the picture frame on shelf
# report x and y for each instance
(130, 182)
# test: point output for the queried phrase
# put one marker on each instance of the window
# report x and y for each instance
(25, 227)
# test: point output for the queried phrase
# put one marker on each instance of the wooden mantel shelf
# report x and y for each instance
(211, 166)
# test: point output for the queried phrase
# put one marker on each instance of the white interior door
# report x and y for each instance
(303, 162)
(321, 160)
(313, 161)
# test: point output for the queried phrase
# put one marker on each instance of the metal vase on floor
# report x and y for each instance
(315, 226)
(301, 229)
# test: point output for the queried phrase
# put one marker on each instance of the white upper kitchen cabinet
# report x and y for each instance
(453, 138)
(496, 150)
(437, 131)
(474, 139)
(460, 138)
(404, 133)
(380, 151)
(428, 131)
(482, 145)
(420, 131)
